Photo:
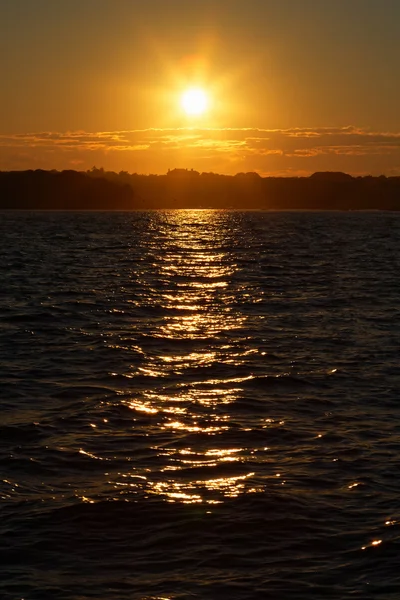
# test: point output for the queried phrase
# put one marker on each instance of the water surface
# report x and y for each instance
(199, 404)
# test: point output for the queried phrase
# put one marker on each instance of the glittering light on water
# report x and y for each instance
(90, 455)
(142, 407)
(87, 500)
(178, 425)
(373, 544)
(190, 492)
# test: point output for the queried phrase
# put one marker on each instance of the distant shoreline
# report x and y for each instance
(187, 189)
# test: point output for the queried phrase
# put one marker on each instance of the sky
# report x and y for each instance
(294, 86)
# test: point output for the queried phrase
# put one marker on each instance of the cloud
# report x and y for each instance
(268, 151)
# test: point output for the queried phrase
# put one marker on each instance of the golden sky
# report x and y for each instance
(292, 86)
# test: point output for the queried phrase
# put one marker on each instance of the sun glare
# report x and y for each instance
(194, 102)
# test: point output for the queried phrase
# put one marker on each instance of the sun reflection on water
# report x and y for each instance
(193, 377)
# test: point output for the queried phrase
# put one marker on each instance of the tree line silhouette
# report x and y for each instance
(98, 189)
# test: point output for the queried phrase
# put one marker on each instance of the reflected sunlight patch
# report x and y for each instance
(195, 491)
(142, 407)
(179, 426)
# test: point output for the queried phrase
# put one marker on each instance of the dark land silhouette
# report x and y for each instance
(181, 188)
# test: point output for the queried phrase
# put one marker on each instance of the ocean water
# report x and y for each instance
(199, 404)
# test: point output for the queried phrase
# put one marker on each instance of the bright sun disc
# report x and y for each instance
(194, 102)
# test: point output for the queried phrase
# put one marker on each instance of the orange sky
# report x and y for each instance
(294, 86)
(269, 152)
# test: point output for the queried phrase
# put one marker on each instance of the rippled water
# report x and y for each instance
(199, 404)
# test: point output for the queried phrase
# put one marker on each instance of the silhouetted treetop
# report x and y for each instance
(331, 176)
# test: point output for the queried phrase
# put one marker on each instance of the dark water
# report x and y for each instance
(199, 404)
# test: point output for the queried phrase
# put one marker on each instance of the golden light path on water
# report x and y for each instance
(192, 286)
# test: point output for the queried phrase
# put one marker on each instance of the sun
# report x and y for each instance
(195, 102)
